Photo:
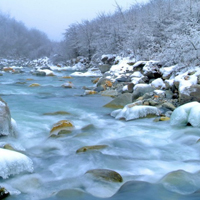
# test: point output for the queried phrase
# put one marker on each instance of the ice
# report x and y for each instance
(130, 112)
(12, 163)
(182, 115)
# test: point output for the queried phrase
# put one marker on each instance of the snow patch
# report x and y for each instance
(12, 163)
(130, 112)
(182, 115)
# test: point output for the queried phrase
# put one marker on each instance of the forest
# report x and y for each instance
(165, 30)
(18, 41)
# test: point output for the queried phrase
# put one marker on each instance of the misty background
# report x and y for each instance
(53, 17)
(165, 30)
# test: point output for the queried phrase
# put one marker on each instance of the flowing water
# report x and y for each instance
(156, 161)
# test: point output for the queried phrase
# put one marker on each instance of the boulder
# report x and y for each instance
(189, 94)
(40, 73)
(187, 113)
(108, 59)
(132, 111)
(169, 106)
(12, 163)
(128, 88)
(99, 89)
(68, 85)
(141, 89)
(106, 174)
(104, 82)
(6, 123)
(61, 127)
(120, 101)
(87, 148)
(104, 68)
(109, 93)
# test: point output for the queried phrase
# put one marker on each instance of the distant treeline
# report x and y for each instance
(167, 30)
(18, 41)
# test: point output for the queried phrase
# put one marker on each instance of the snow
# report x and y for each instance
(194, 116)
(130, 112)
(182, 115)
(185, 81)
(158, 83)
(141, 85)
(137, 74)
(166, 71)
(46, 71)
(121, 67)
(91, 72)
(139, 63)
(148, 66)
(12, 163)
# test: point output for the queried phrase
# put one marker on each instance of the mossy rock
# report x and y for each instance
(161, 119)
(57, 113)
(61, 127)
(88, 92)
(106, 174)
(9, 147)
(67, 77)
(87, 148)
(34, 85)
(3, 193)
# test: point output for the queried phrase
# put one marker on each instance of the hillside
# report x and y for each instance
(166, 30)
(18, 41)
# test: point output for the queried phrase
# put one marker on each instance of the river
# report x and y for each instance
(155, 160)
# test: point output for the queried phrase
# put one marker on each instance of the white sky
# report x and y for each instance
(54, 16)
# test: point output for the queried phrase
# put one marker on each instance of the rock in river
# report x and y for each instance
(95, 147)
(63, 126)
(106, 174)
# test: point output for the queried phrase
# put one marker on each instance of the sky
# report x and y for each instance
(54, 16)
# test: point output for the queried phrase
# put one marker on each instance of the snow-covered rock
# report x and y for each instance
(131, 111)
(91, 72)
(46, 71)
(167, 71)
(6, 124)
(187, 113)
(158, 83)
(12, 163)
(122, 67)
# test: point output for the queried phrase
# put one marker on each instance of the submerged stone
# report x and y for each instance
(34, 85)
(106, 174)
(95, 147)
(67, 77)
(161, 119)
(57, 113)
(181, 181)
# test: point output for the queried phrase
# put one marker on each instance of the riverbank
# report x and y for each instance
(68, 146)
